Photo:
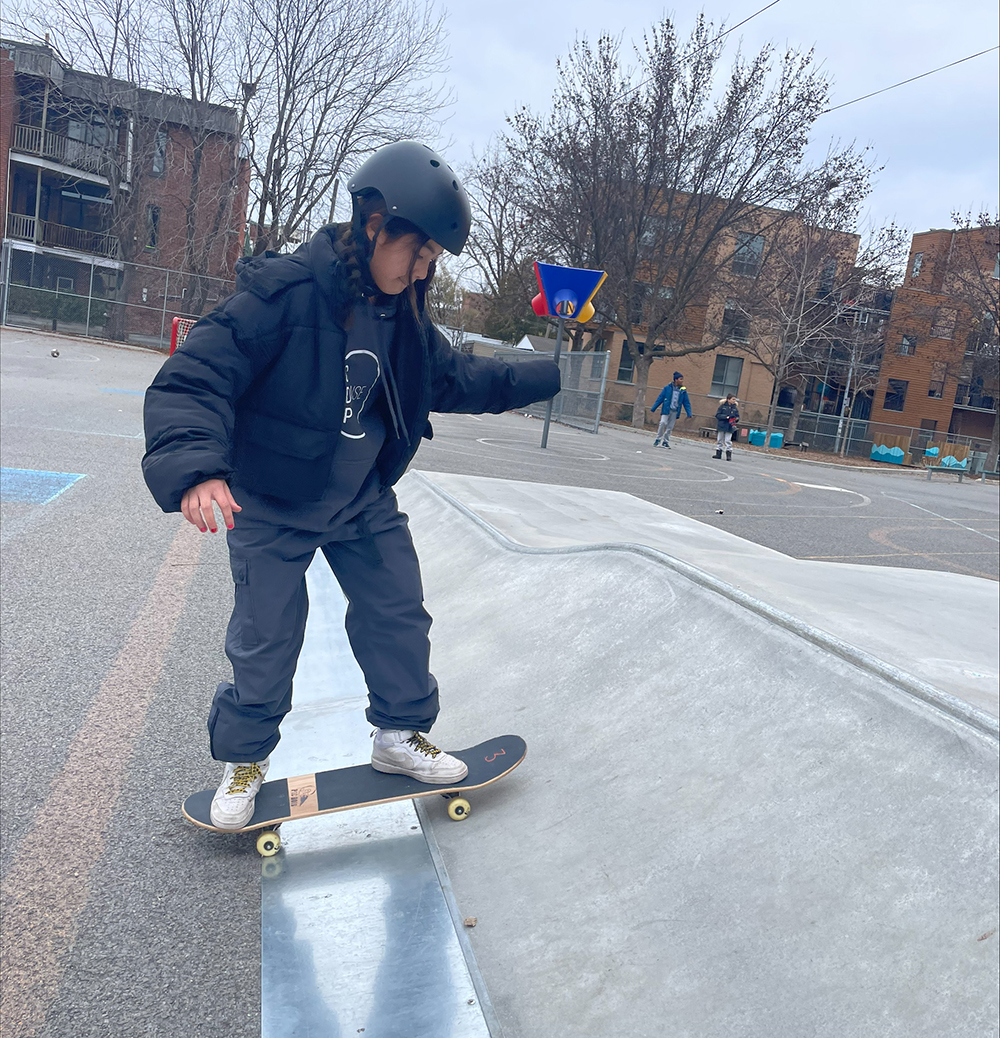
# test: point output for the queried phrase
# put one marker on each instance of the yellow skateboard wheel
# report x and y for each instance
(458, 809)
(268, 843)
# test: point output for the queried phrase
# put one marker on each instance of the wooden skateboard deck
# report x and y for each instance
(305, 796)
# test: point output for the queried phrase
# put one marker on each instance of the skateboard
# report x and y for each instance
(322, 793)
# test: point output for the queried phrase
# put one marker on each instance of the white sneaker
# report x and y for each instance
(232, 806)
(409, 753)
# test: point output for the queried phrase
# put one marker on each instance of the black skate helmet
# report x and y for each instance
(418, 186)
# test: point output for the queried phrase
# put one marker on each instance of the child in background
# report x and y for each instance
(726, 419)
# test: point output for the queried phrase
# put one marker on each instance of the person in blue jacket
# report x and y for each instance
(672, 397)
(293, 409)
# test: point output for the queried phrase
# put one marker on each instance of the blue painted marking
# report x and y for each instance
(29, 486)
(127, 392)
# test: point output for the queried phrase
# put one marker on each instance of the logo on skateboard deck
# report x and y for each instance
(302, 796)
(493, 756)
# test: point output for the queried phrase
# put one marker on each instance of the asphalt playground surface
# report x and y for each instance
(119, 918)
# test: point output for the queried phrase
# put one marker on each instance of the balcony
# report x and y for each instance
(56, 235)
(33, 140)
(971, 399)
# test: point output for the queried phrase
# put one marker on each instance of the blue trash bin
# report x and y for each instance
(777, 439)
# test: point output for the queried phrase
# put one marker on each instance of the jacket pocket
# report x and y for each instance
(285, 437)
(282, 459)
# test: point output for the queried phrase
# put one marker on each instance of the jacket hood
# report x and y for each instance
(265, 276)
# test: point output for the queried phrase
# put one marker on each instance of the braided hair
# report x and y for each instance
(357, 248)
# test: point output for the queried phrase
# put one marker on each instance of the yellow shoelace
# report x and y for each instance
(421, 745)
(243, 776)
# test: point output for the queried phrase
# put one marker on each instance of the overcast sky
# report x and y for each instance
(937, 138)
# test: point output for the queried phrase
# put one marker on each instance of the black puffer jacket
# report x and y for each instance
(727, 417)
(256, 392)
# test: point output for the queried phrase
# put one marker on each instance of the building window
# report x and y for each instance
(660, 231)
(152, 226)
(749, 250)
(918, 262)
(996, 267)
(895, 395)
(826, 279)
(908, 346)
(735, 322)
(726, 377)
(160, 154)
(944, 323)
(936, 389)
(626, 366)
(638, 299)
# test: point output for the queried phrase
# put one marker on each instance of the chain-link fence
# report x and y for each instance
(580, 401)
(103, 298)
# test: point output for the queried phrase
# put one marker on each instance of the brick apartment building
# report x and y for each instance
(118, 258)
(937, 375)
(729, 367)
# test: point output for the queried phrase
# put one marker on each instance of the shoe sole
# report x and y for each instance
(233, 828)
(393, 769)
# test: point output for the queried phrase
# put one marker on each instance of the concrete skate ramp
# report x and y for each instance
(720, 829)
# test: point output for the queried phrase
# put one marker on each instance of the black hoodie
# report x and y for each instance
(256, 392)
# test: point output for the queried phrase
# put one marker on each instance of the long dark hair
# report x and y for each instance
(371, 203)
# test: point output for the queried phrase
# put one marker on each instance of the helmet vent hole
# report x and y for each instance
(454, 226)
(454, 184)
(434, 162)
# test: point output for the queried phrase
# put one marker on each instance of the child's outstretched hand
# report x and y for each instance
(197, 504)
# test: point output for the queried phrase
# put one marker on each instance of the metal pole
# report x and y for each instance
(604, 383)
(6, 279)
(548, 406)
(90, 295)
(163, 317)
(844, 402)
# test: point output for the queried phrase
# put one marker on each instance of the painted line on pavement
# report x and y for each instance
(47, 887)
(839, 490)
(73, 432)
(944, 517)
(34, 486)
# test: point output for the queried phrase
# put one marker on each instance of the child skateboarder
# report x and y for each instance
(727, 418)
(672, 397)
(294, 408)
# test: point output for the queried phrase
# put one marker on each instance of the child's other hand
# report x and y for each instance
(197, 504)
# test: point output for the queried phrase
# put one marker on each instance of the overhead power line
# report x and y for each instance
(705, 46)
(738, 24)
(912, 79)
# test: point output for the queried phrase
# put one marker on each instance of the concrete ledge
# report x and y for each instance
(976, 719)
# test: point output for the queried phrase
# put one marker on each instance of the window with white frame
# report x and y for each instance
(735, 322)
(159, 164)
(726, 376)
(626, 365)
(748, 254)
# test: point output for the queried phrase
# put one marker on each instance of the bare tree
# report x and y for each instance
(650, 173)
(817, 299)
(196, 60)
(329, 81)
